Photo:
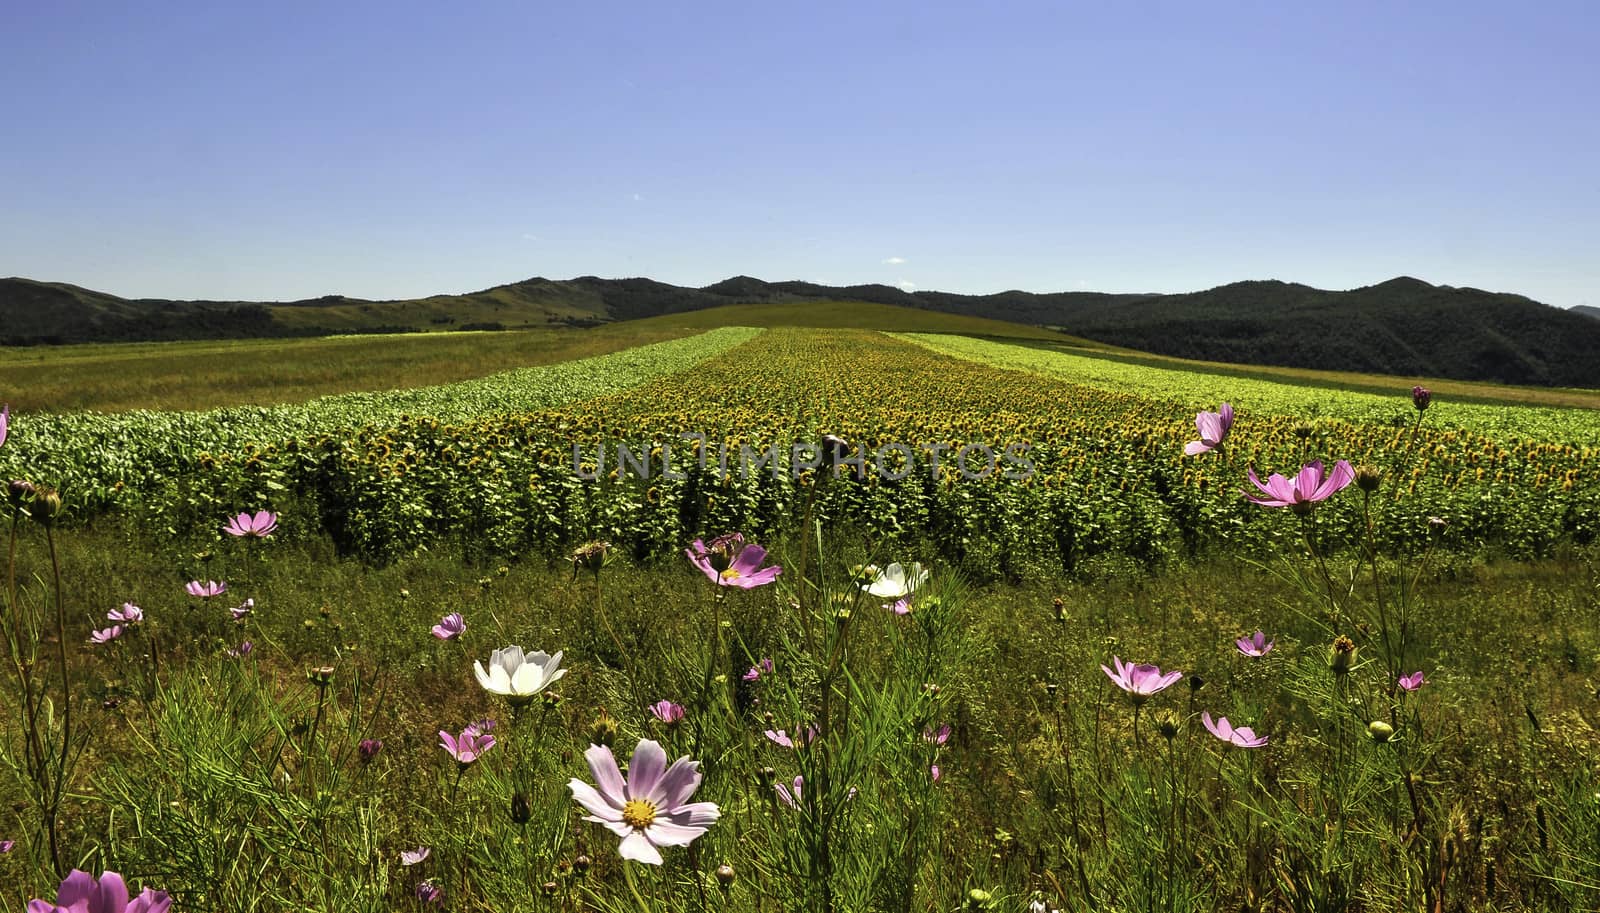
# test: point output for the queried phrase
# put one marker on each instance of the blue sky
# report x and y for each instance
(277, 151)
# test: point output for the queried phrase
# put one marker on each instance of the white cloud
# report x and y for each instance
(895, 261)
(528, 237)
(637, 198)
(907, 285)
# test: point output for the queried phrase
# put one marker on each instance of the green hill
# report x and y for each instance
(1401, 327)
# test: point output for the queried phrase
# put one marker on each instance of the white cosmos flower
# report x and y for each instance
(896, 582)
(519, 677)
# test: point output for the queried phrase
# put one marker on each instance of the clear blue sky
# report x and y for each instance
(284, 150)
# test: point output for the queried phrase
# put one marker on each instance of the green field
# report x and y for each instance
(239, 782)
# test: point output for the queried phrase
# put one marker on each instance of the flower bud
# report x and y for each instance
(725, 876)
(603, 731)
(521, 808)
(19, 492)
(1304, 430)
(1342, 656)
(580, 865)
(591, 557)
(766, 776)
(368, 749)
(1196, 682)
(322, 676)
(1167, 724)
(979, 900)
(1379, 731)
(1060, 608)
(46, 505)
(1421, 397)
(550, 888)
(1368, 477)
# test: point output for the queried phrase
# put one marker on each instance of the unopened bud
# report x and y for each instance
(46, 505)
(725, 876)
(581, 865)
(1368, 477)
(1380, 731)
(1343, 655)
(550, 888)
(1421, 397)
(603, 731)
(1167, 724)
(19, 492)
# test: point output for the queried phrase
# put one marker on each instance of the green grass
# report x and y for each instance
(205, 375)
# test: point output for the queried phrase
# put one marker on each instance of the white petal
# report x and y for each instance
(637, 846)
(591, 799)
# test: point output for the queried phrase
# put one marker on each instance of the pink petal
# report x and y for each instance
(644, 771)
(1341, 476)
(665, 833)
(1195, 448)
(607, 776)
(677, 784)
(591, 799)
(637, 846)
(695, 814)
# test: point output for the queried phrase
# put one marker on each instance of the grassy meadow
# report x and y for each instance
(925, 710)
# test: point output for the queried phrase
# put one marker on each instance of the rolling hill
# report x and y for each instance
(1403, 326)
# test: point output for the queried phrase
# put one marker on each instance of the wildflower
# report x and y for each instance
(81, 892)
(368, 749)
(412, 857)
(1213, 428)
(428, 892)
(517, 677)
(205, 590)
(935, 772)
(450, 627)
(1420, 397)
(667, 712)
(129, 614)
(1254, 645)
(467, 747)
(897, 582)
(1413, 682)
(790, 796)
(1140, 681)
(799, 740)
(480, 727)
(764, 667)
(242, 611)
(728, 561)
(5, 422)
(1242, 736)
(936, 736)
(1308, 487)
(257, 526)
(105, 636)
(242, 650)
(7, 846)
(650, 808)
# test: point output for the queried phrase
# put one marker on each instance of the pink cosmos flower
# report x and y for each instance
(1242, 736)
(1413, 682)
(1140, 681)
(467, 747)
(257, 526)
(667, 712)
(1308, 487)
(936, 736)
(899, 606)
(764, 667)
(729, 561)
(242, 611)
(81, 892)
(486, 724)
(5, 421)
(368, 749)
(105, 636)
(936, 773)
(800, 739)
(649, 809)
(7, 846)
(129, 614)
(450, 627)
(412, 857)
(428, 892)
(1213, 428)
(1254, 645)
(205, 590)
(242, 650)
(791, 795)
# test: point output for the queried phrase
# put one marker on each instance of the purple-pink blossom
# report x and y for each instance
(1213, 428)
(106, 635)
(1309, 486)
(729, 561)
(428, 892)
(81, 892)
(5, 422)
(1413, 682)
(205, 589)
(242, 611)
(450, 627)
(368, 749)
(800, 739)
(650, 808)
(1140, 680)
(129, 614)
(255, 526)
(412, 857)
(936, 736)
(467, 747)
(1254, 645)
(1242, 736)
(667, 712)
(242, 650)
(763, 667)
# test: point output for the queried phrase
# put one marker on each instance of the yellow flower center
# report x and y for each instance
(638, 813)
(730, 574)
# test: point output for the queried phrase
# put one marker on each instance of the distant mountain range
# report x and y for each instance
(1404, 326)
